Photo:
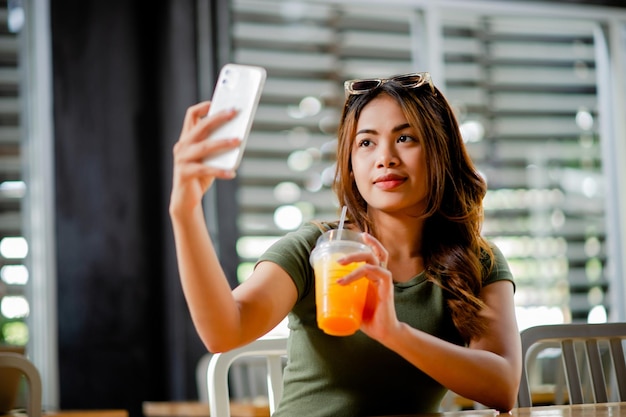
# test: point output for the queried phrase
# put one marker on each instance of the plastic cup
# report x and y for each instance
(339, 307)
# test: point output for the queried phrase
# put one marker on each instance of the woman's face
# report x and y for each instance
(388, 160)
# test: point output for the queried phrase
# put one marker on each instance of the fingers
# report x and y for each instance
(191, 176)
(199, 170)
(375, 269)
(194, 114)
(197, 126)
(189, 157)
(198, 151)
(193, 148)
(379, 250)
(378, 255)
(374, 273)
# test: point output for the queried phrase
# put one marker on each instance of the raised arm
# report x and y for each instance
(224, 319)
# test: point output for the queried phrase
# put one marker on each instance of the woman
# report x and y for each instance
(440, 313)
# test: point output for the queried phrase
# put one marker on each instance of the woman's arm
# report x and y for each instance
(489, 370)
(224, 319)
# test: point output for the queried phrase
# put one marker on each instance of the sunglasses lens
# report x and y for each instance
(365, 85)
(409, 80)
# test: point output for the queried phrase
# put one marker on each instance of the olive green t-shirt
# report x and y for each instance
(355, 375)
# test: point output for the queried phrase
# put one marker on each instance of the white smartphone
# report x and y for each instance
(238, 86)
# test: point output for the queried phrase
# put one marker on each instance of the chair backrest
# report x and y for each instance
(273, 349)
(565, 337)
(10, 380)
(19, 362)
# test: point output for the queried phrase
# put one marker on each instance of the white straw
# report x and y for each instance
(341, 221)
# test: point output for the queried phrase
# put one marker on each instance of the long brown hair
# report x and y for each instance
(454, 247)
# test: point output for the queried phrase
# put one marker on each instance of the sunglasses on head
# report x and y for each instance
(412, 80)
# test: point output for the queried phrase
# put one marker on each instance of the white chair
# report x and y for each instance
(272, 348)
(25, 366)
(588, 337)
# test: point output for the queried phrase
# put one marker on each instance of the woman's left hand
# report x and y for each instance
(379, 314)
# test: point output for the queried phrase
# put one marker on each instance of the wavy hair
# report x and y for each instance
(454, 249)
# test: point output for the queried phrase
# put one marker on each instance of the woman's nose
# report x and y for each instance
(387, 157)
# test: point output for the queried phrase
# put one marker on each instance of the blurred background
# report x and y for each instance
(92, 97)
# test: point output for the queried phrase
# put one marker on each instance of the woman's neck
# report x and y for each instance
(402, 237)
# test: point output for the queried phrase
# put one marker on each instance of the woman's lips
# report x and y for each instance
(388, 182)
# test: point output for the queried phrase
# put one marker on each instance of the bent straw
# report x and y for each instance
(341, 221)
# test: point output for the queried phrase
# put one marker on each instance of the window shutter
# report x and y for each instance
(13, 274)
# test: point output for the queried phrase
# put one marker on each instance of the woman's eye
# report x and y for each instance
(365, 143)
(406, 138)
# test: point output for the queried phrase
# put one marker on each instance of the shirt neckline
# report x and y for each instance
(417, 279)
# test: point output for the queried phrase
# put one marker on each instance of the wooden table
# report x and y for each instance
(579, 410)
(199, 409)
(74, 413)
(195, 409)
(86, 413)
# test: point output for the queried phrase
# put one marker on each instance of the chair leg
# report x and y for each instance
(571, 371)
(595, 369)
(274, 381)
(617, 355)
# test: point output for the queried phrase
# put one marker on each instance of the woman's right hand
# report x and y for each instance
(192, 178)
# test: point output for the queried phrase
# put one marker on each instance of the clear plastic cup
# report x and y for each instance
(339, 307)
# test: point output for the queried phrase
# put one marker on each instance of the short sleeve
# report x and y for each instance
(291, 253)
(500, 270)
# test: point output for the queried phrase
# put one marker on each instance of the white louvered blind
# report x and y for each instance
(13, 248)
(524, 90)
(535, 80)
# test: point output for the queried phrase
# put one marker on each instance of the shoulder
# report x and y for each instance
(295, 245)
(292, 251)
(496, 266)
(305, 236)
(310, 231)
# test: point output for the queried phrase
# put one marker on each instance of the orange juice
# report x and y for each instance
(339, 307)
